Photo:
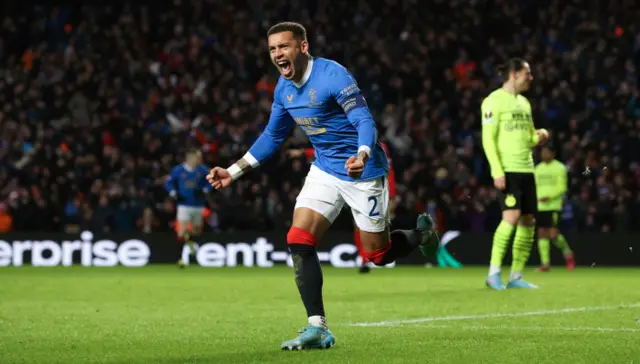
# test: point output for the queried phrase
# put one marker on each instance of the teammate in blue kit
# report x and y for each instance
(188, 185)
(350, 167)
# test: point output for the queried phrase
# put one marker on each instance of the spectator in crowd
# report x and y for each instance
(6, 221)
(97, 103)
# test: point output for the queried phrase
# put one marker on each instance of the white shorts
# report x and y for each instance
(190, 214)
(368, 200)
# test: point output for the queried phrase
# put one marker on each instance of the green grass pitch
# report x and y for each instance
(164, 315)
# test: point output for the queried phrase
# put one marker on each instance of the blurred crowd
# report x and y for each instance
(98, 103)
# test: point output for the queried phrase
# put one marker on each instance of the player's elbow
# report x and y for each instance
(488, 148)
(366, 123)
(488, 136)
(264, 147)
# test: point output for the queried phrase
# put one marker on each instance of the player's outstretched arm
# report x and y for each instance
(490, 130)
(277, 130)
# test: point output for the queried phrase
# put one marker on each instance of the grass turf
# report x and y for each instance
(160, 314)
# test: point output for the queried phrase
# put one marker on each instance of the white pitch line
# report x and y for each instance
(494, 315)
(531, 328)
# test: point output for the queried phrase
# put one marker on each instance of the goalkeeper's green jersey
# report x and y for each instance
(551, 182)
(508, 133)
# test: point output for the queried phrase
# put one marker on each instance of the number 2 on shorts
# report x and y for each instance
(373, 211)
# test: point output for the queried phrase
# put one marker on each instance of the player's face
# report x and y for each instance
(286, 52)
(546, 155)
(523, 78)
(194, 158)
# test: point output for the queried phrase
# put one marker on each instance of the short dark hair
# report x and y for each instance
(298, 30)
(192, 151)
(550, 147)
(512, 65)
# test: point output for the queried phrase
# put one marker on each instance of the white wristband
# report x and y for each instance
(365, 149)
(235, 171)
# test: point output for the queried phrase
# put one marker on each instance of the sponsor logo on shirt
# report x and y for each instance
(488, 117)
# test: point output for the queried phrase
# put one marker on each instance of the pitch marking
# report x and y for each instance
(494, 315)
(530, 328)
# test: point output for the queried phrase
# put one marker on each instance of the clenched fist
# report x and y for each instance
(543, 136)
(219, 178)
(354, 167)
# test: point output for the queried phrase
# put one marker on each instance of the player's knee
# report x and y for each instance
(511, 216)
(543, 233)
(527, 220)
(297, 236)
(553, 233)
(310, 220)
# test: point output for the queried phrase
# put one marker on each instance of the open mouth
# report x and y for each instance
(284, 67)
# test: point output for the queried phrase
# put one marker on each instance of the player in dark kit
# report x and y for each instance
(323, 99)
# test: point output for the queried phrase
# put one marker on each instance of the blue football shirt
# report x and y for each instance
(329, 106)
(189, 184)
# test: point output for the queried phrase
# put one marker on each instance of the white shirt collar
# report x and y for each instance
(187, 167)
(307, 73)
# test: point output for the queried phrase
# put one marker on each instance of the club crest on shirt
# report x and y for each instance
(313, 98)
(290, 99)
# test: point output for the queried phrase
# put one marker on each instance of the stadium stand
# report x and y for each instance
(98, 103)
